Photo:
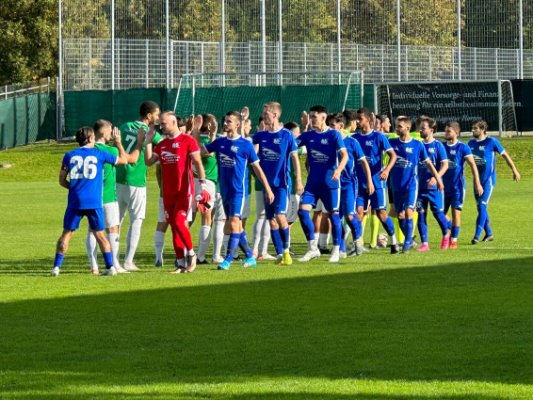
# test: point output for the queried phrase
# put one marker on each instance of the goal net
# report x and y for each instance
(217, 93)
(462, 101)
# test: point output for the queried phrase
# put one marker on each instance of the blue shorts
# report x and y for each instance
(404, 200)
(73, 216)
(330, 198)
(348, 195)
(487, 193)
(454, 199)
(378, 200)
(433, 198)
(279, 205)
(233, 205)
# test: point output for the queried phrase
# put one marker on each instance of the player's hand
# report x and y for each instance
(431, 181)
(299, 187)
(304, 120)
(245, 113)
(115, 134)
(197, 123)
(384, 175)
(440, 184)
(336, 175)
(270, 196)
(149, 136)
(141, 135)
(370, 188)
(189, 123)
(516, 176)
(479, 189)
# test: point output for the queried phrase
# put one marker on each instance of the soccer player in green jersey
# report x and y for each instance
(104, 131)
(131, 179)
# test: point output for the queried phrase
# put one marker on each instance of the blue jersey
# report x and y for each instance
(85, 168)
(355, 153)
(454, 178)
(404, 174)
(322, 156)
(233, 157)
(274, 153)
(437, 154)
(373, 144)
(484, 152)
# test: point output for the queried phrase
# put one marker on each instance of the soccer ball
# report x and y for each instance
(383, 240)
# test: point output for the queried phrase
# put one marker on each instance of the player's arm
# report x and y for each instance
(150, 157)
(392, 160)
(196, 126)
(63, 174)
(258, 171)
(304, 121)
(123, 157)
(435, 173)
(442, 170)
(297, 172)
(510, 163)
(366, 168)
(477, 183)
(342, 163)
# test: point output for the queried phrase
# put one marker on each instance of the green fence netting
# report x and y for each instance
(27, 119)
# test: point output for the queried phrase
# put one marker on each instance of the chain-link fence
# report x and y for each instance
(150, 43)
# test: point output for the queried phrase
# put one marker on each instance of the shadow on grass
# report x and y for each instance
(463, 322)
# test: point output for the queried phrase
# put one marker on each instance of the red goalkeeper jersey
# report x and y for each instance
(176, 166)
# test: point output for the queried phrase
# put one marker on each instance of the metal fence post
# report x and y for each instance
(280, 34)
(521, 39)
(459, 50)
(112, 44)
(475, 63)
(90, 55)
(167, 42)
(398, 39)
(430, 63)
(146, 62)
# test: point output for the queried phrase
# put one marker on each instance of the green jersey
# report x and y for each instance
(133, 174)
(209, 162)
(110, 178)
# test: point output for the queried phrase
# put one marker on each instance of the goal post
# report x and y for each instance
(462, 101)
(218, 93)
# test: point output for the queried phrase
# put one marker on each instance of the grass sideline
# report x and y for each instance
(453, 325)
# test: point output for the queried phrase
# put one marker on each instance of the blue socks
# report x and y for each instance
(336, 228)
(276, 239)
(243, 244)
(481, 221)
(307, 224)
(389, 226)
(423, 226)
(108, 259)
(233, 243)
(58, 260)
(455, 232)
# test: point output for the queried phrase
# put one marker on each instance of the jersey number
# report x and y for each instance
(83, 168)
(130, 139)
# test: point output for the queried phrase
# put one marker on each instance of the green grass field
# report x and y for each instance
(438, 325)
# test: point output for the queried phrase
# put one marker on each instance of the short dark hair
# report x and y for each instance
(337, 118)
(235, 114)
(100, 124)
(349, 115)
(291, 125)
(366, 112)
(207, 120)
(148, 107)
(482, 124)
(454, 125)
(319, 109)
(83, 135)
(382, 117)
(181, 121)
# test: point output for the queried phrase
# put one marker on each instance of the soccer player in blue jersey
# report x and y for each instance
(349, 184)
(276, 148)
(454, 180)
(234, 153)
(404, 176)
(374, 144)
(327, 157)
(484, 149)
(428, 192)
(82, 174)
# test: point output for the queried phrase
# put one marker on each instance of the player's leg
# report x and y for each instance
(112, 225)
(482, 203)
(409, 207)
(159, 234)
(457, 206)
(422, 225)
(331, 200)
(97, 224)
(374, 230)
(137, 212)
(71, 222)
(307, 202)
(281, 204)
(204, 235)
(260, 221)
(91, 246)
(378, 202)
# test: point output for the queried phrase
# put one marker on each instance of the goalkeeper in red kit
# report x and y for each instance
(177, 153)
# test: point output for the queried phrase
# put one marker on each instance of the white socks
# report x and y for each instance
(204, 237)
(92, 249)
(114, 242)
(218, 238)
(134, 235)
(159, 243)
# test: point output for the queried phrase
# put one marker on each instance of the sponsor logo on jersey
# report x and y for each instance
(235, 149)
(324, 141)
(409, 150)
(402, 163)
(226, 161)
(431, 150)
(453, 152)
(270, 155)
(369, 143)
(169, 158)
(277, 141)
(319, 157)
(175, 145)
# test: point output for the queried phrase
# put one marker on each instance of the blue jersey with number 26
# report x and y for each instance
(85, 168)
